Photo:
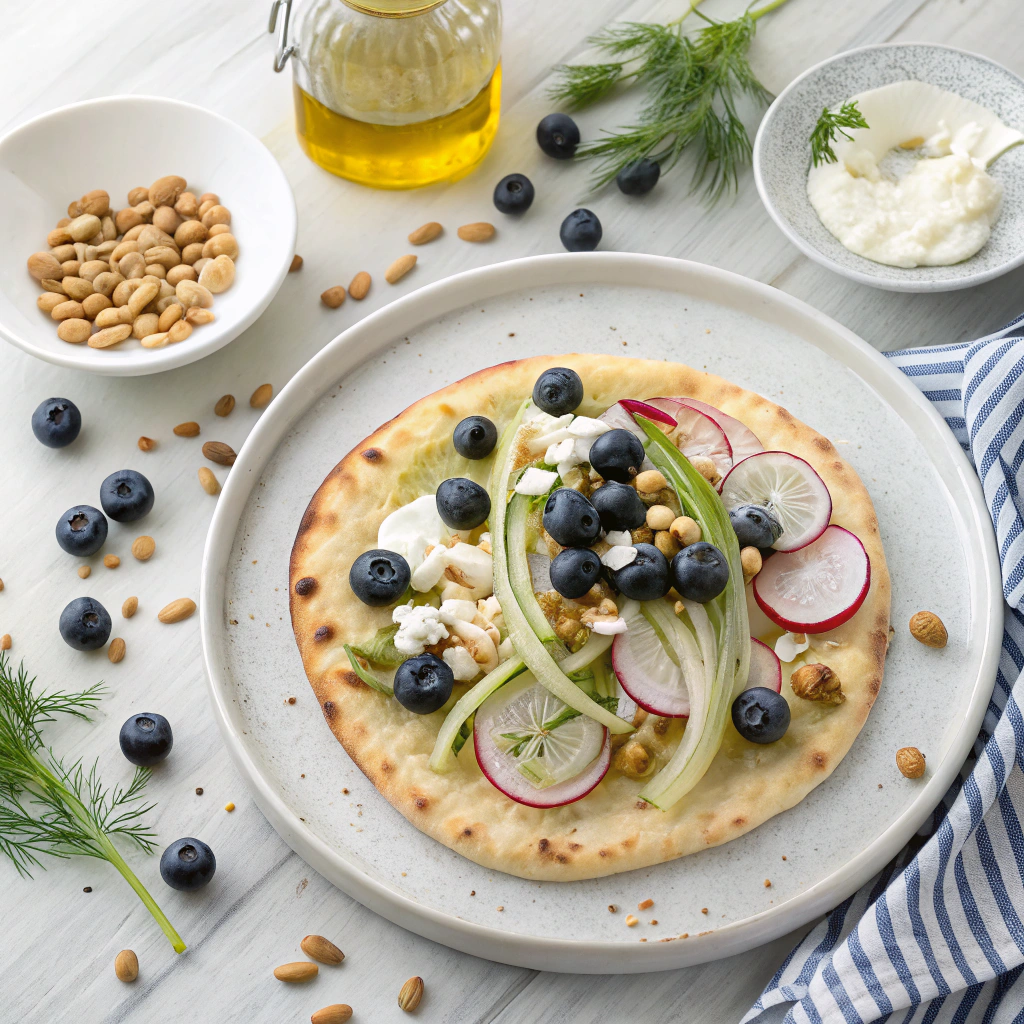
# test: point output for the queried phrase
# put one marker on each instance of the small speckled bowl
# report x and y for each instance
(782, 155)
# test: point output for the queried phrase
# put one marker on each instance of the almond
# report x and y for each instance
(146, 444)
(208, 481)
(411, 994)
(224, 405)
(111, 561)
(333, 297)
(177, 610)
(261, 396)
(319, 948)
(126, 965)
(296, 264)
(116, 650)
(360, 285)
(219, 452)
(399, 269)
(5, 642)
(336, 1013)
(910, 762)
(143, 548)
(480, 231)
(130, 607)
(425, 233)
(189, 429)
(301, 970)
(84, 572)
(927, 627)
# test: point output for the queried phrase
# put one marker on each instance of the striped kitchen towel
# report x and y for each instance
(938, 936)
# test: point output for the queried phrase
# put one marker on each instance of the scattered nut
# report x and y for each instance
(177, 610)
(5, 642)
(333, 297)
(399, 269)
(84, 572)
(660, 517)
(927, 627)
(645, 904)
(229, 806)
(126, 965)
(666, 544)
(130, 607)
(632, 920)
(187, 429)
(360, 285)
(74, 330)
(111, 561)
(116, 650)
(146, 444)
(336, 1013)
(196, 315)
(217, 451)
(411, 994)
(110, 336)
(296, 264)
(751, 561)
(685, 530)
(208, 481)
(481, 231)
(261, 396)
(633, 760)
(425, 233)
(319, 948)
(910, 762)
(165, 191)
(817, 682)
(301, 970)
(650, 480)
(224, 405)
(143, 548)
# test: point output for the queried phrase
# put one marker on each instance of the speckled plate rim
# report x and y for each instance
(363, 341)
(794, 236)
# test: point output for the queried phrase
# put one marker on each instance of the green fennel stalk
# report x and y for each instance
(47, 808)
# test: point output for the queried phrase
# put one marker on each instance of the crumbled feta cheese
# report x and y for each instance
(536, 481)
(545, 421)
(452, 611)
(459, 616)
(584, 426)
(618, 537)
(453, 592)
(608, 627)
(461, 662)
(472, 567)
(428, 573)
(789, 645)
(489, 608)
(619, 556)
(411, 529)
(560, 451)
(506, 649)
(419, 627)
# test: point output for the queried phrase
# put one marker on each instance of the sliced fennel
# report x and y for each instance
(526, 642)
(709, 712)
(380, 648)
(367, 677)
(520, 577)
(655, 624)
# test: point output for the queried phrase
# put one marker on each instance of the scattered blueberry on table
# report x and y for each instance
(639, 177)
(56, 422)
(761, 715)
(513, 194)
(126, 496)
(423, 684)
(580, 231)
(146, 739)
(379, 577)
(187, 864)
(462, 504)
(82, 530)
(85, 624)
(558, 391)
(558, 136)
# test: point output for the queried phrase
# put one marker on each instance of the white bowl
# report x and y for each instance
(782, 156)
(118, 143)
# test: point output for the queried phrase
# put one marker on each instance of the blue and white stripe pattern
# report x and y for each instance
(938, 936)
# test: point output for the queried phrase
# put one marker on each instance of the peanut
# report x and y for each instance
(192, 293)
(216, 214)
(220, 229)
(481, 231)
(360, 285)
(296, 264)
(166, 219)
(208, 481)
(164, 255)
(399, 269)
(92, 269)
(170, 315)
(112, 316)
(74, 331)
(218, 275)
(165, 191)
(137, 195)
(333, 297)
(197, 315)
(261, 396)
(76, 287)
(182, 272)
(157, 340)
(58, 236)
(95, 304)
(68, 309)
(190, 231)
(96, 202)
(48, 300)
(144, 324)
(187, 206)
(220, 245)
(143, 296)
(44, 264)
(179, 331)
(110, 336)
(84, 227)
(126, 219)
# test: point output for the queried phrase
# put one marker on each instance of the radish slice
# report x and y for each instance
(531, 764)
(818, 587)
(633, 407)
(743, 440)
(697, 433)
(765, 667)
(648, 666)
(619, 418)
(789, 487)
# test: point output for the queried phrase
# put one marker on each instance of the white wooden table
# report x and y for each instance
(57, 944)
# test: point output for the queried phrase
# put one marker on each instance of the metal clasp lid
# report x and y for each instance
(284, 49)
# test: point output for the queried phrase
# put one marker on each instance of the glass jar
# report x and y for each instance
(394, 93)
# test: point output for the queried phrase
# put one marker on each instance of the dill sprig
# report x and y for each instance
(49, 808)
(693, 84)
(824, 134)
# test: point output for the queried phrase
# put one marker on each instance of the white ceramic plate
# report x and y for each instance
(941, 555)
(118, 143)
(782, 152)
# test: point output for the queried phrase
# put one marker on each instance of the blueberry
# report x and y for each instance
(760, 715)
(580, 231)
(379, 577)
(571, 519)
(126, 496)
(462, 504)
(619, 506)
(639, 177)
(56, 422)
(558, 136)
(187, 865)
(146, 739)
(617, 455)
(700, 572)
(513, 194)
(756, 526)
(423, 684)
(646, 578)
(574, 571)
(475, 437)
(558, 391)
(82, 530)
(85, 624)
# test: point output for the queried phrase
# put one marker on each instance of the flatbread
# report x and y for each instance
(610, 830)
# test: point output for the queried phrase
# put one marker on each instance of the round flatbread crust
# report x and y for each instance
(610, 830)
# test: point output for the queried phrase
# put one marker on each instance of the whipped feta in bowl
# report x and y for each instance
(930, 197)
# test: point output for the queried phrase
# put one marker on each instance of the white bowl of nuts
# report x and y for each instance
(122, 222)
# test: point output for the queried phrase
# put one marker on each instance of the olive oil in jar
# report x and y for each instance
(398, 93)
